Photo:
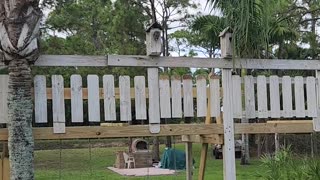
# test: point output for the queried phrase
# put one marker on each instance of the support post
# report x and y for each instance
(276, 142)
(5, 166)
(245, 156)
(316, 120)
(229, 166)
(189, 161)
(204, 148)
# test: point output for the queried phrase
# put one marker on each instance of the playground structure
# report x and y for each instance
(173, 97)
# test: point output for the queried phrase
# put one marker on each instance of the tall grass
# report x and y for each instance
(285, 165)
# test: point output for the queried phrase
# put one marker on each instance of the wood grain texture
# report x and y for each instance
(145, 61)
(237, 96)
(187, 96)
(201, 96)
(76, 99)
(274, 97)
(86, 132)
(109, 98)
(58, 105)
(311, 97)
(4, 82)
(125, 99)
(176, 97)
(71, 60)
(287, 96)
(262, 97)
(249, 97)
(140, 97)
(316, 120)
(154, 101)
(229, 162)
(299, 97)
(165, 94)
(93, 98)
(189, 161)
(40, 99)
(215, 102)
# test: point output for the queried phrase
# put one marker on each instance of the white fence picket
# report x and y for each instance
(249, 97)
(311, 100)
(187, 96)
(58, 105)
(4, 82)
(176, 97)
(201, 96)
(154, 101)
(237, 96)
(40, 99)
(215, 103)
(109, 98)
(287, 96)
(76, 99)
(93, 98)
(274, 97)
(165, 104)
(140, 97)
(299, 96)
(125, 98)
(262, 97)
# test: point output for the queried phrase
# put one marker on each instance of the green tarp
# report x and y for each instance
(173, 159)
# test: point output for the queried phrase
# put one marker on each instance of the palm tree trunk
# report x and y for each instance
(20, 120)
(19, 34)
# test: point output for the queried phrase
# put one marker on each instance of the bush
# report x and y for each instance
(285, 165)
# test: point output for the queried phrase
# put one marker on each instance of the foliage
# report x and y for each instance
(261, 25)
(285, 165)
(94, 27)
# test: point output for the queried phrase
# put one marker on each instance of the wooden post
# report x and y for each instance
(153, 38)
(245, 156)
(276, 142)
(316, 120)
(189, 161)
(204, 148)
(229, 166)
(5, 166)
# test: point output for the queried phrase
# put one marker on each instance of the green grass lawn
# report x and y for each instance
(77, 165)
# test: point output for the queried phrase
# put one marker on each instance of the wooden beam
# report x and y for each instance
(290, 121)
(265, 128)
(71, 60)
(205, 139)
(67, 93)
(85, 132)
(144, 61)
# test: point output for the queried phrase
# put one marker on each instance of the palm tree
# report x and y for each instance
(19, 33)
(249, 20)
(205, 32)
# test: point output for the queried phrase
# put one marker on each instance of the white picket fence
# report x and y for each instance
(253, 97)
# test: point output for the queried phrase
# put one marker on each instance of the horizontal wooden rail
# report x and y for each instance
(145, 61)
(85, 132)
(67, 93)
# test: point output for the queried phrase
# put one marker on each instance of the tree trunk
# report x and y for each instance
(20, 120)
(19, 34)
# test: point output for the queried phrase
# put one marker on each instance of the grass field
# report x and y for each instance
(76, 164)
